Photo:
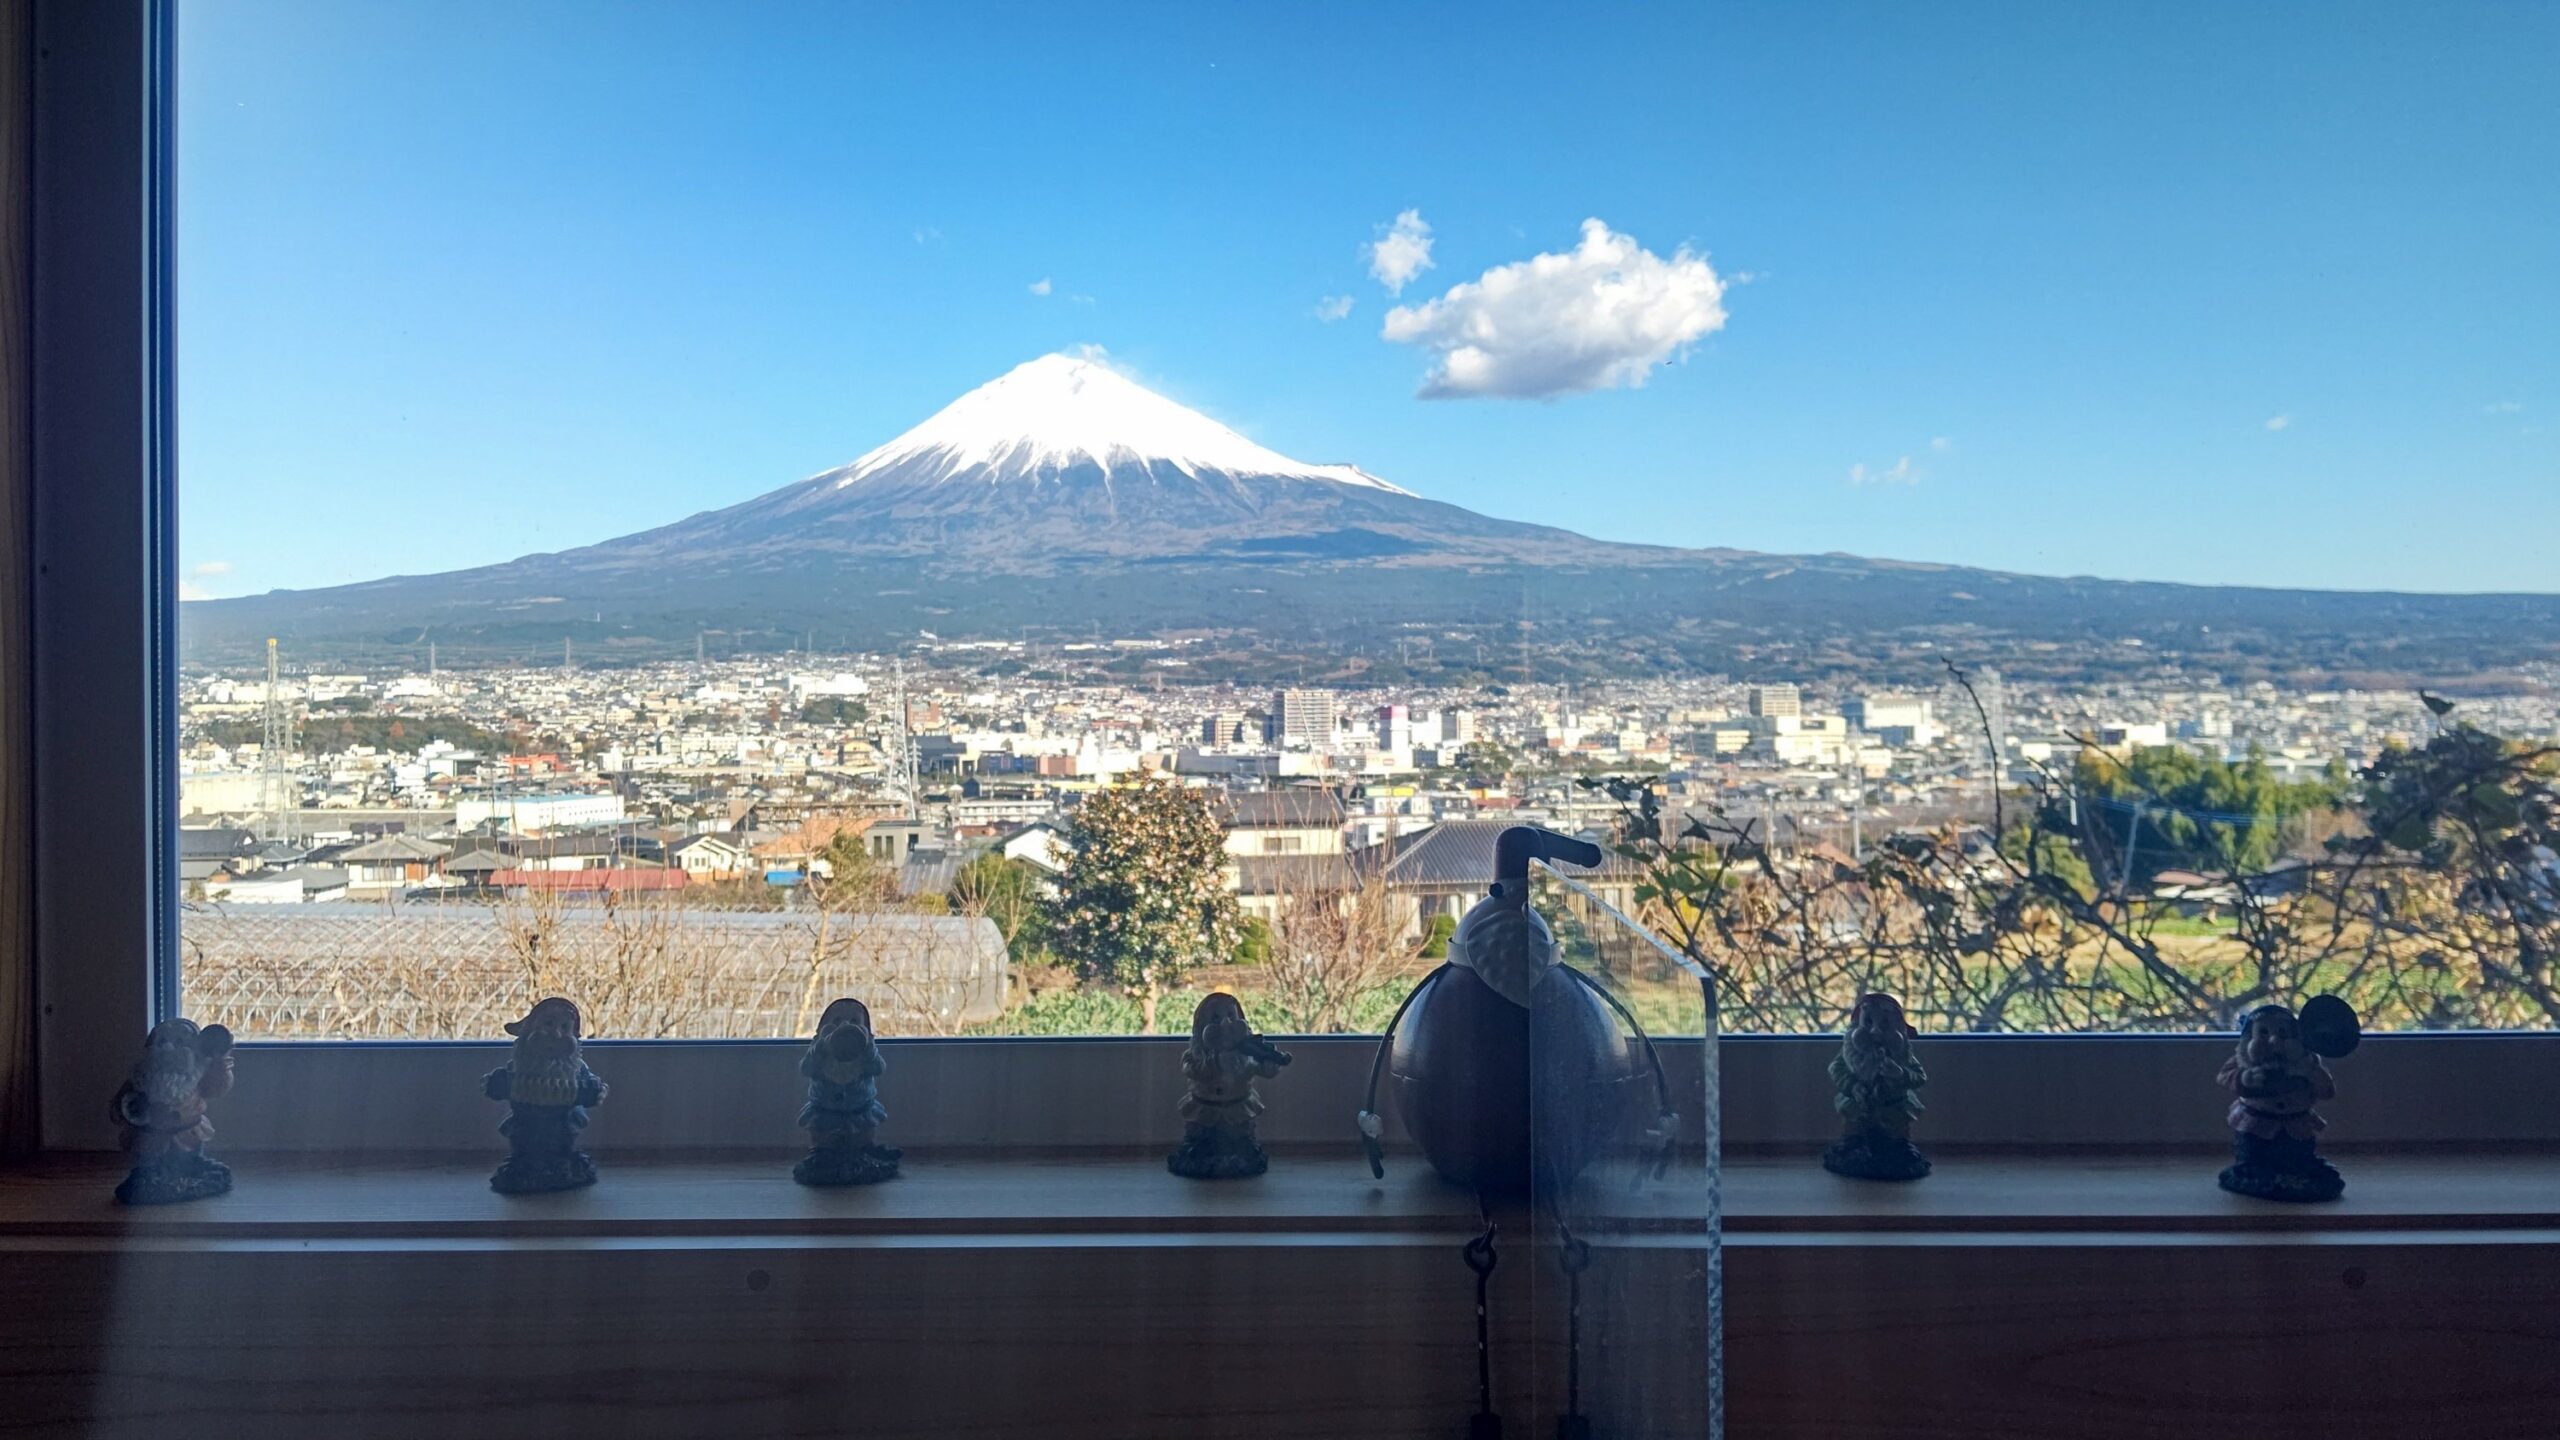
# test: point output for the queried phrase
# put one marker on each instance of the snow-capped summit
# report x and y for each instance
(1063, 412)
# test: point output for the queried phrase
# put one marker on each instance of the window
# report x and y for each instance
(2155, 805)
(2090, 807)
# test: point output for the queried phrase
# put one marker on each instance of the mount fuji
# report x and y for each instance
(1063, 461)
(1063, 501)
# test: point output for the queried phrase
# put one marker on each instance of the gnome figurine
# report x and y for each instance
(843, 1112)
(547, 1088)
(2275, 1077)
(161, 1107)
(1222, 1062)
(1876, 1083)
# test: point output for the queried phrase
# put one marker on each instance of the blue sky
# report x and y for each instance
(2262, 294)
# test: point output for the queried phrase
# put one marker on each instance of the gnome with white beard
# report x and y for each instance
(547, 1088)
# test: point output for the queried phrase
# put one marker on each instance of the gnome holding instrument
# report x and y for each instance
(162, 1109)
(1223, 1060)
(547, 1088)
(843, 1067)
(1875, 1083)
(2275, 1077)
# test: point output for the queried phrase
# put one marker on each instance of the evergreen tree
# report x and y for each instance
(1144, 900)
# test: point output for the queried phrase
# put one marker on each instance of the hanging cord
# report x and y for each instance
(1480, 1257)
(1666, 1132)
(1573, 1256)
(1371, 1127)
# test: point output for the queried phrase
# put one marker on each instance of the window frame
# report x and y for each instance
(104, 594)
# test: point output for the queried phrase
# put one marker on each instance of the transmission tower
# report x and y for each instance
(904, 775)
(279, 788)
(1994, 695)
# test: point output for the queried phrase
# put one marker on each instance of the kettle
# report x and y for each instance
(1506, 1063)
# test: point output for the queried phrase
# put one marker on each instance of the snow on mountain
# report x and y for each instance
(1061, 411)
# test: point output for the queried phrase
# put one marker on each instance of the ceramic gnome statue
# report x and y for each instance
(162, 1108)
(2275, 1077)
(548, 1088)
(1223, 1060)
(1876, 1082)
(843, 1112)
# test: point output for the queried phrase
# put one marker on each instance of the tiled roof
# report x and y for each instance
(219, 842)
(1299, 807)
(928, 872)
(1294, 874)
(396, 849)
(584, 880)
(1454, 854)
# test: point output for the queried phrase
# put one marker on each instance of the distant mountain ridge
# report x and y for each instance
(1062, 498)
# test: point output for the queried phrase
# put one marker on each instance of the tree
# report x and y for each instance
(1143, 900)
(1006, 891)
(2433, 901)
(854, 878)
(1332, 945)
(2188, 809)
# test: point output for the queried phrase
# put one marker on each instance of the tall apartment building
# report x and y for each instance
(1774, 702)
(1395, 727)
(1227, 727)
(1308, 715)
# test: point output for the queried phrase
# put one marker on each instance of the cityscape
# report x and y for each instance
(330, 805)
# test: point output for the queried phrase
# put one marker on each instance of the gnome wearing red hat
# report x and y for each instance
(547, 1088)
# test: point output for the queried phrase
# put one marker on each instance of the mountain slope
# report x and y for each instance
(1063, 499)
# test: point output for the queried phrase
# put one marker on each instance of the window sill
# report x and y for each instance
(2094, 1297)
(1308, 1195)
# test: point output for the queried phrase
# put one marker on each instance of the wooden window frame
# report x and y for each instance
(104, 627)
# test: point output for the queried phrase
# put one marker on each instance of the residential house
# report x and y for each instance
(711, 857)
(392, 863)
(1300, 820)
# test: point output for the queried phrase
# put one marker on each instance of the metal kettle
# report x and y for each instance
(1507, 1064)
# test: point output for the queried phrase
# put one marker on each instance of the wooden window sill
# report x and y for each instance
(1325, 1193)
(2007, 1297)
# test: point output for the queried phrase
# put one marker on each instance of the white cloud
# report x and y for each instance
(1401, 251)
(925, 234)
(2279, 422)
(193, 586)
(1602, 314)
(1900, 472)
(1333, 307)
(2503, 407)
(1942, 443)
(1041, 286)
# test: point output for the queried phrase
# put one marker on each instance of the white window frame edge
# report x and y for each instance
(105, 589)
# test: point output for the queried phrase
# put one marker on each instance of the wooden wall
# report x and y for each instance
(1983, 1338)
(17, 455)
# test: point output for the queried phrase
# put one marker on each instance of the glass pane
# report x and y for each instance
(1627, 1278)
(716, 596)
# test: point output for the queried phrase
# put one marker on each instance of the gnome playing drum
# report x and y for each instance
(1506, 1064)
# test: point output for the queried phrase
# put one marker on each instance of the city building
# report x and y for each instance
(1773, 702)
(1307, 716)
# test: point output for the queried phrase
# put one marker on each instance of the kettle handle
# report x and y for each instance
(1514, 848)
(1370, 1125)
(1669, 1114)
